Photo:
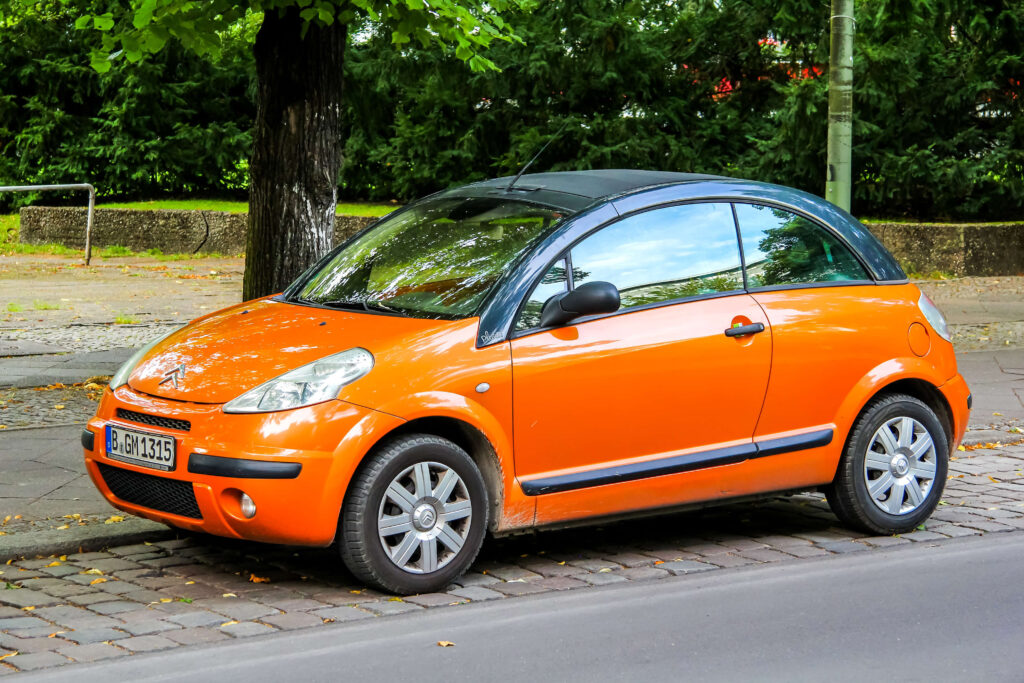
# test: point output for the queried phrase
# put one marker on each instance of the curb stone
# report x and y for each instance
(91, 537)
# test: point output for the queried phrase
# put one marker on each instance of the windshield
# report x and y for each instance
(437, 259)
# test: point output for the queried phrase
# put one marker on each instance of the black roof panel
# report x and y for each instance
(594, 184)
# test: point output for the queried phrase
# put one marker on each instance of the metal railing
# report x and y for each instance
(72, 186)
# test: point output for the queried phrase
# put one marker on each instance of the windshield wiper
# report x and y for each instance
(368, 306)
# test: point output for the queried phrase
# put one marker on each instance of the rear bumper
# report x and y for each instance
(295, 465)
(958, 396)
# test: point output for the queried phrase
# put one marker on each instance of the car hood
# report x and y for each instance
(223, 355)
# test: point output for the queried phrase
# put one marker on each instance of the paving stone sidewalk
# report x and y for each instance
(157, 596)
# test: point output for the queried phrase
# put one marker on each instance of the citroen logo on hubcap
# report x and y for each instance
(424, 517)
(900, 465)
(174, 375)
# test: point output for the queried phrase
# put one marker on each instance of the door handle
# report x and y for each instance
(752, 328)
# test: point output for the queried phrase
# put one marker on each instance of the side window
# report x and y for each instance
(782, 248)
(553, 282)
(664, 254)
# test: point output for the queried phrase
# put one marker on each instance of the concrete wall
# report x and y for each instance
(957, 248)
(171, 231)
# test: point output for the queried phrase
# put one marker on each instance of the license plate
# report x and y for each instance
(141, 448)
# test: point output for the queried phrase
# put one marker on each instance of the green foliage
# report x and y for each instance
(176, 123)
(733, 87)
(9, 228)
(146, 26)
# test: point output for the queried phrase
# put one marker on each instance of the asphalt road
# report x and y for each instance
(951, 612)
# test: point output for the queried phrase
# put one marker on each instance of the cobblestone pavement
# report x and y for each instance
(44, 406)
(147, 597)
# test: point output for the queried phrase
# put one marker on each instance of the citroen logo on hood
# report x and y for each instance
(174, 375)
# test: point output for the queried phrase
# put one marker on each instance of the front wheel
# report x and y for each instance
(415, 515)
(893, 469)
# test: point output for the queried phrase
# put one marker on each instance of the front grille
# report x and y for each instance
(157, 493)
(155, 420)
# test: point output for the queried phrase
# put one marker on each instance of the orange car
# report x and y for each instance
(568, 347)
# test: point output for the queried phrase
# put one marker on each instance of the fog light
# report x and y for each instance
(248, 506)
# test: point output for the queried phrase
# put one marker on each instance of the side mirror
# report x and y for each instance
(587, 299)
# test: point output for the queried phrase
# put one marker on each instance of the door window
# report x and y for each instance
(662, 255)
(783, 248)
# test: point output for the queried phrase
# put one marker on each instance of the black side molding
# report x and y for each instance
(788, 444)
(676, 464)
(217, 466)
(970, 401)
(88, 440)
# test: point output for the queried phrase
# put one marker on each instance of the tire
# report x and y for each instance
(893, 469)
(432, 533)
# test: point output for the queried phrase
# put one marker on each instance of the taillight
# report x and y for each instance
(934, 317)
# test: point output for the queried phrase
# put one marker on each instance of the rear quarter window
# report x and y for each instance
(784, 248)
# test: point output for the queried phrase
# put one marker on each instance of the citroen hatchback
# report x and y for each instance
(531, 354)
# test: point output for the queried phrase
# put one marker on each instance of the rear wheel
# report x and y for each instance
(893, 470)
(415, 515)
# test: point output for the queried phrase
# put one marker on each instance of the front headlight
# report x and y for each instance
(314, 383)
(120, 377)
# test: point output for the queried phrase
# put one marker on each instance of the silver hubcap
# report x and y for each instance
(900, 466)
(424, 517)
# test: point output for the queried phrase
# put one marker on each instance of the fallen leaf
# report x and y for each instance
(93, 571)
(993, 479)
(659, 562)
(229, 623)
(63, 558)
(189, 583)
(356, 592)
(55, 563)
(165, 600)
(9, 654)
(258, 579)
(29, 608)
(99, 580)
(228, 595)
(63, 526)
(187, 601)
(114, 519)
(961, 448)
(445, 643)
(6, 519)
(328, 620)
(604, 570)
(59, 406)
(395, 599)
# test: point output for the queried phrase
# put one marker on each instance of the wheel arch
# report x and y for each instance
(467, 437)
(893, 377)
(924, 391)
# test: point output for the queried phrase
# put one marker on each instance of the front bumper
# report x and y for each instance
(295, 465)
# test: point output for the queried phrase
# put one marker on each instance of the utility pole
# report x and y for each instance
(839, 178)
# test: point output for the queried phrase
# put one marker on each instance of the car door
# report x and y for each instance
(644, 407)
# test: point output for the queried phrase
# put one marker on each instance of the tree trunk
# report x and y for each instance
(296, 152)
